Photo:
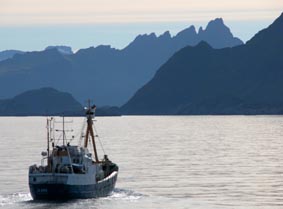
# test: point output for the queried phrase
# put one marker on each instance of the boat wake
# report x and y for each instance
(117, 194)
(124, 194)
(14, 198)
(24, 200)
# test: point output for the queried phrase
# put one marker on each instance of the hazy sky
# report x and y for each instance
(34, 24)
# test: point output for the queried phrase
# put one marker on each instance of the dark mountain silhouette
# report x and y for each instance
(246, 79)
(107, 75)
(44, 101)
(9, 54)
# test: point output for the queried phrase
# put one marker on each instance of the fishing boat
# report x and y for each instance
(70, 171)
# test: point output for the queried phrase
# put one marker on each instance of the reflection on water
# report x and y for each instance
(165, 162)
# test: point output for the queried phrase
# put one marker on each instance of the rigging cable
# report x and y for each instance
(99, 140)
(82, 132)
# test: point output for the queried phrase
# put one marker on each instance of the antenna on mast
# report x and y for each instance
(90, 112)
(63, 130)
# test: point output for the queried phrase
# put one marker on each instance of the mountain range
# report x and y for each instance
(246, 79)
(108, 75)
(48, 101)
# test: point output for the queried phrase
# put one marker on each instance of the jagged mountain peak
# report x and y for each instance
(216, 21)
(142, 40)
(190, 31)
(146, 36)
(166, 35)
(218, 35)
(217, 25)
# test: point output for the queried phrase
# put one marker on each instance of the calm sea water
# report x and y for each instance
(165, 162)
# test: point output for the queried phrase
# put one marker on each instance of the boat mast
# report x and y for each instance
(89, 130)
(64, 131)
(48, 136)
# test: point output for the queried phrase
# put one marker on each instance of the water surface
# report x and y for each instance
(165, 162)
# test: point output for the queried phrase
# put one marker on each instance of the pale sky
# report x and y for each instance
(34, 24)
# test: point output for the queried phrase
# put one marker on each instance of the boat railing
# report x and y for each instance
(33, 169)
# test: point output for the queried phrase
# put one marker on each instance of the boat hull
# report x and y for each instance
(59, 191)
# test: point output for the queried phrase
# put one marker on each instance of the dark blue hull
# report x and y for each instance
(65, 191)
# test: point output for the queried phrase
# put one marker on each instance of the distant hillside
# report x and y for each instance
(62, 49)
(246, 79)
(111, 76)
(9, 54)
(44, 101)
